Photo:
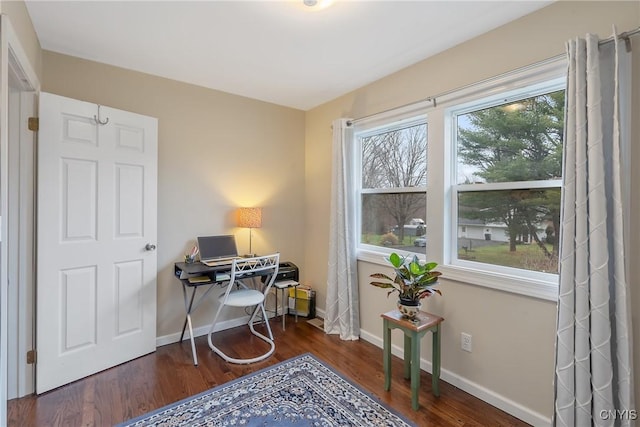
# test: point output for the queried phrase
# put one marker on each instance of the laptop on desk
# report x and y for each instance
(216, 251)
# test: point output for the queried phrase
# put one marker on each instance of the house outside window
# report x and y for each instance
(508, 162)
(393, 179)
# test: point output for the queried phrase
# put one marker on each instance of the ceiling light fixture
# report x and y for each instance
(317, 4)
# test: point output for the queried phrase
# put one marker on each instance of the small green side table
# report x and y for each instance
(413, 332)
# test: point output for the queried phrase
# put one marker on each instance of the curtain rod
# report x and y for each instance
(434, 98)
(623, 36)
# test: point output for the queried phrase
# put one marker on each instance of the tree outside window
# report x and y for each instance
(393, 185)
(509, 167)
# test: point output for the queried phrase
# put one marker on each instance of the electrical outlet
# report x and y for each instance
(465, 341)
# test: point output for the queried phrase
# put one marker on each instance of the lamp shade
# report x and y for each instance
(250, 217)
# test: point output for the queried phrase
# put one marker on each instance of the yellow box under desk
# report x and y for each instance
(306, 302)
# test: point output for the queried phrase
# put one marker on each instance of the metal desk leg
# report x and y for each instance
(283, 306)
(190, 307)
(295, 300)
(193, 342)
(187, 321)
(386, 354)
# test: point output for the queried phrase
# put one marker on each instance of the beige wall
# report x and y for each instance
(216, 152)
(513, 336)
(21, 22)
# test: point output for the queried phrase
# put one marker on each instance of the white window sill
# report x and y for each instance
(542, 289)
(536, 288)
(380, 257)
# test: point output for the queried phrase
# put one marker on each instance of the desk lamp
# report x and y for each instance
(250, 218)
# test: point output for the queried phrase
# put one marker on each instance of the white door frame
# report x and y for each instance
(15, 73)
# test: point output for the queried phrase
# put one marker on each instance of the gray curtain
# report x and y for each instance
(342, 314)
(594, 363)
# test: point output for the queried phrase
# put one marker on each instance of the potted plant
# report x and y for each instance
(414, 281)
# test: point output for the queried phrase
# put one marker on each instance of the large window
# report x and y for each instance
(508, 163)
(478, 190)
(393, 179)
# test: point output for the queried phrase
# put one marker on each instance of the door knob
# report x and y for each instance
(150, 247)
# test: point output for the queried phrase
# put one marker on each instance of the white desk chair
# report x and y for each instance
(238, 294)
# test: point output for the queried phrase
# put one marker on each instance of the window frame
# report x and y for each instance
(414, 117)
(532, 283)
(441, 174)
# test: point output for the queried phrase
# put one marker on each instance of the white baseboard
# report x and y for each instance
(200, 331)
(204, 330)
(501, 402)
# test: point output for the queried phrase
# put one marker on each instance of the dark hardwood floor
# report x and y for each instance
(168, 375)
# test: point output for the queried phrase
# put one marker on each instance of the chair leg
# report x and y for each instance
(266, 322)
(211, 331)
(268, 340)
(260, 307)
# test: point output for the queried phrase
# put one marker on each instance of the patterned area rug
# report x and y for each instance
(298, 392)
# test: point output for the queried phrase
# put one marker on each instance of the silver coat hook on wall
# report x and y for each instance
(97, 118)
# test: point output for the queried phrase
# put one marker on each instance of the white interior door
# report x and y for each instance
(96, 259)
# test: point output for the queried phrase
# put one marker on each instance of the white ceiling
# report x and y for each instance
(275, 51)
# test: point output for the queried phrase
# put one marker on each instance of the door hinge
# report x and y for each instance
(34, 123)
(31, 357)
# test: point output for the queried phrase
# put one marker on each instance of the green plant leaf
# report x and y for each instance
(415, 268)
(430, 266)
(396, 260)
